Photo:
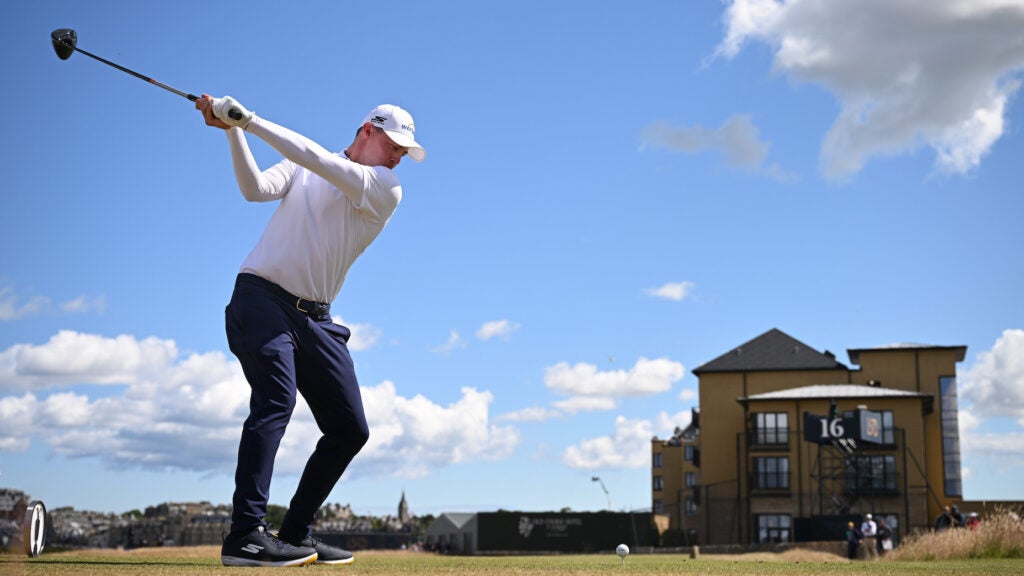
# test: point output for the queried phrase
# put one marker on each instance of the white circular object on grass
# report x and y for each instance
(34, 529)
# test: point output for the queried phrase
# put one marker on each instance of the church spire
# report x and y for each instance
(403, 510)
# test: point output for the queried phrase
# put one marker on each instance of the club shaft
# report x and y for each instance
(191, 97)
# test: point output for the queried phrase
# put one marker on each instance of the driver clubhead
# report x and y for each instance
(64, 42)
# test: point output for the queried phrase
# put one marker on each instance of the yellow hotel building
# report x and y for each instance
(789, 444)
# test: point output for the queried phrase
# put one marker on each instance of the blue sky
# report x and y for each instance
(614, 194)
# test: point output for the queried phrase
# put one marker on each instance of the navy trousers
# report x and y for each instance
(284, 350)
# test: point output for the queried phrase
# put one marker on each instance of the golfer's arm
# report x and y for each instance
(349, 177)
(256, 186)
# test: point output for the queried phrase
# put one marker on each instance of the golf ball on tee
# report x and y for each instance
(622, 550)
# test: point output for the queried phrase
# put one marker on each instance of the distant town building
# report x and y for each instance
(12, 504)
(196, 524)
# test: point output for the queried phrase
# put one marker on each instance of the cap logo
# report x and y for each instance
(378, 120)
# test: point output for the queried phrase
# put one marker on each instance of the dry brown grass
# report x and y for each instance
(795, 556)
(1000, 535)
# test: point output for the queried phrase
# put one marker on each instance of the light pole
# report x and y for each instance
(607, 495)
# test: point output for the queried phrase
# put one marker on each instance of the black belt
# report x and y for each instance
(309, 307)
(316, 309)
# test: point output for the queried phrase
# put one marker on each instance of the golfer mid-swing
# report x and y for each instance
(278, 321)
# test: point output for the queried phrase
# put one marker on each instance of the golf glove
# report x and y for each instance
(230, 112)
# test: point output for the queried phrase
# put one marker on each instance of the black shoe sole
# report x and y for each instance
(345, 561)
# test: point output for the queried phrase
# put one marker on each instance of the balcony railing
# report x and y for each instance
(767, 440)
(770, 482)
(882, 485)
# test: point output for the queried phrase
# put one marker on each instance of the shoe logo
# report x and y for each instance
(252, 548)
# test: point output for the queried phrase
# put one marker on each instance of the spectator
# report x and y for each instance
(853, 538)
(870, 531)
(959, 521)
(944, 520)
(884, 537)
(972, 520)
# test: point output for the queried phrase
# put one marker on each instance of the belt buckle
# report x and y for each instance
(316, 309)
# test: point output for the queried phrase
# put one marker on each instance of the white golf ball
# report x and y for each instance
(622, 550)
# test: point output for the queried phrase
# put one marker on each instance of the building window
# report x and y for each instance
(688, 453)
(873, 474)
(657, 460)
(691, 506)
(771, 428)
(888, 428)
(771, 473)
(659, 483)
(773, 528)
(691, 479)
(950, 437)
(659, 506)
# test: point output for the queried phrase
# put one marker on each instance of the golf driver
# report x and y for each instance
(65, 43)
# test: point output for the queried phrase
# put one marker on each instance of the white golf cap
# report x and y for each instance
(398, 125)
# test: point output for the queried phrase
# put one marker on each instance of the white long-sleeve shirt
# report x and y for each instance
(869, 528)
(331, 209)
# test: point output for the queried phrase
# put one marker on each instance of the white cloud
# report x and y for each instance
(16, 422)
(676, 291)
(646, 377)
(994, 384)
(578, 404)
(746, 19)
(496, 328)
(364, 336)
(11, 308)
(1004, 451)
(936, 73)
(532, 414)
(667, 423)
(187, 412)
(686, 394)
(176, 413)
(738, 139)
(70, 358)
(65, 410)
(84, 304)
(411, 437)
(629, 447)
(967, 420)
(990, 390)
(454, 341)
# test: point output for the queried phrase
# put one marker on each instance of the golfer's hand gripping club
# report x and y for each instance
(229, 111)
(232, 113)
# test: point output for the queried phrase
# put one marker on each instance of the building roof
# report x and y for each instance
(450, 522)
(773, 350)
(961, 351)
(458, 519)
(828, 391)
